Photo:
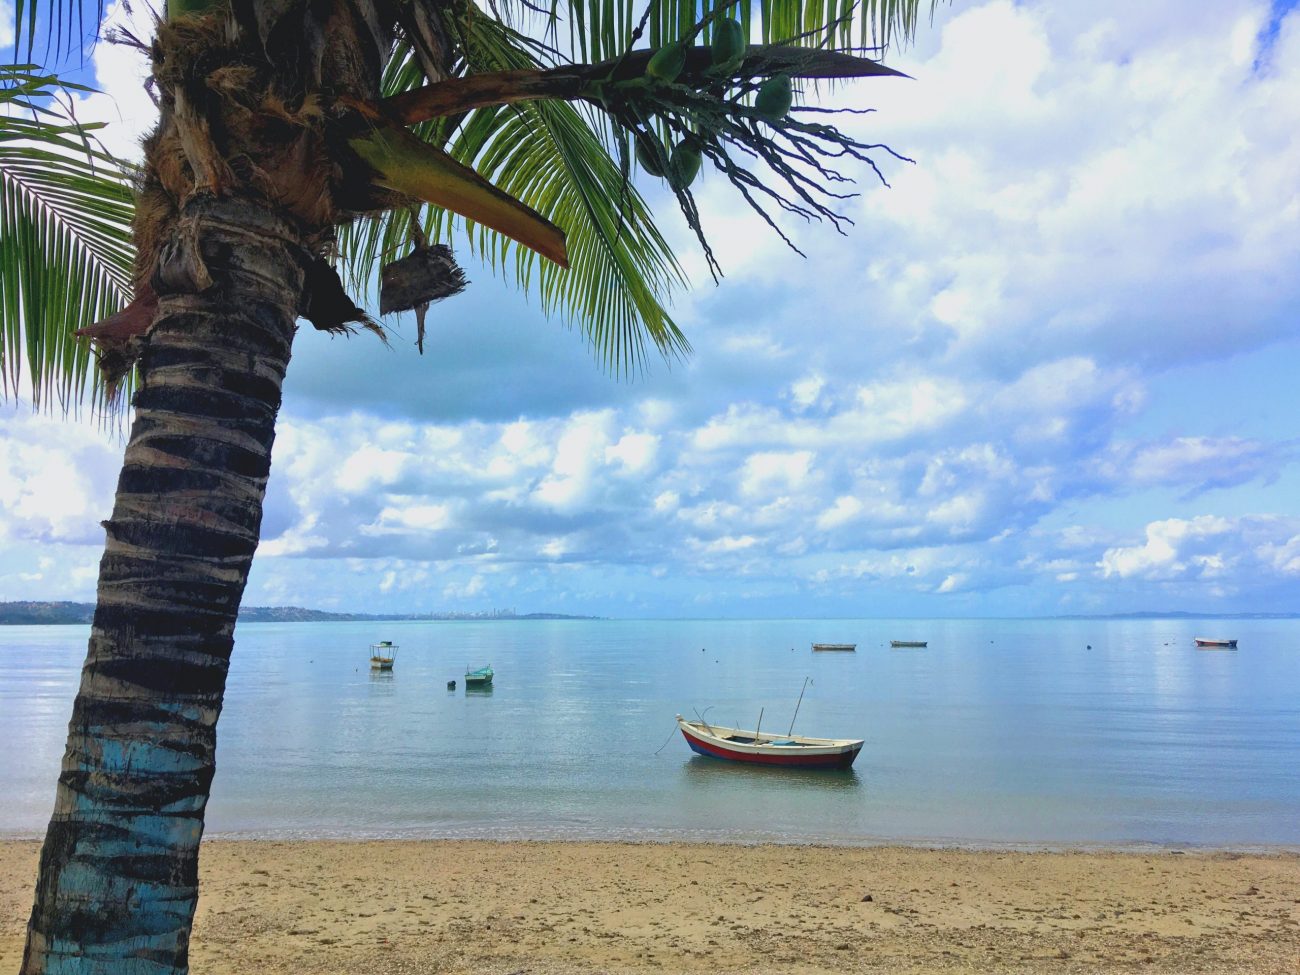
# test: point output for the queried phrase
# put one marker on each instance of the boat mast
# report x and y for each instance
(796, 707)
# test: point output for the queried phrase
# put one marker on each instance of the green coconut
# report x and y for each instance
(774, 98)
(650, 154)
(728, 43)
(667, 63)
(684, 165)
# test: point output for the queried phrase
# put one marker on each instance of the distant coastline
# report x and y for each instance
(1178, 615)
(33, 613)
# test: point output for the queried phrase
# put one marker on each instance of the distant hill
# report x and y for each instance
(29, 613)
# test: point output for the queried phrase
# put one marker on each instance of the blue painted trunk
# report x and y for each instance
(119, 869)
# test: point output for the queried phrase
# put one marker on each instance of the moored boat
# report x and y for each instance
(908, 643)
(762, 748)
(841, 647)
(382, 655)
(478, 678)
(1206, 643)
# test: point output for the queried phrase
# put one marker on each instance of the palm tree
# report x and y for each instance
(296, 139)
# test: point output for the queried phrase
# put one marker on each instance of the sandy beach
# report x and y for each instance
(499, 908)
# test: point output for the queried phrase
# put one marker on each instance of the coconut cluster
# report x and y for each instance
(680, 162)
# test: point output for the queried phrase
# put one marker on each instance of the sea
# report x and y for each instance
(1041, 733)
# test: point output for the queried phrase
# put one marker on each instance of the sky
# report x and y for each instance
(1050, 369)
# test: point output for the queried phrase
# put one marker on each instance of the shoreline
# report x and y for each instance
(629, 908)
(934, 845)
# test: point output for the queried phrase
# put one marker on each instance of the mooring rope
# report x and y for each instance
(667, 740)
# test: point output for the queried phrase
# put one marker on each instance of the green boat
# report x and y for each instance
(479, 678)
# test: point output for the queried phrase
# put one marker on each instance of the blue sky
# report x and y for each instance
(1051, 369)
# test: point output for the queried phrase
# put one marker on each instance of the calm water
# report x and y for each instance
(1001, 732)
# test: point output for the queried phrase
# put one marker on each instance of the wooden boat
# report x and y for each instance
(478, 678)
(908, 643)
(794, 751)
(1206, 643)
(841, 647)
(382, 655)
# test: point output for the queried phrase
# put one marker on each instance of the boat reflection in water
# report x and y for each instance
(700, 772)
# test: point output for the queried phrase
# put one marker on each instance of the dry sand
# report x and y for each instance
(536, 908)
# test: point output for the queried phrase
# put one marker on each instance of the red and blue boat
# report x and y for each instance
(762, 748)
(1208, 643)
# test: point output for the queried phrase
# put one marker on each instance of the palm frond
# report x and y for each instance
(550, 156)
(64, 25)
(65, 242)
(603, 29)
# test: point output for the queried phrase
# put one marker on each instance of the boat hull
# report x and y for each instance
(904, 644)
(830, 756)
(1206, 644)
(834, 647)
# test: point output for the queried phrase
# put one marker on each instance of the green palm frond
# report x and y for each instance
(62, 23)
(65, 241)
(603, 29)
(550, 156)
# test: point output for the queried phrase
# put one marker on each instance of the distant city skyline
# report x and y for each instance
(39, 612)
(1049, 371)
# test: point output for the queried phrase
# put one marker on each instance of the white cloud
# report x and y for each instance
(805, 392)
(411, 518)
(53, 480)
(666, 501)
(771, 471)
(844, 509)
(754, 346)
(518, 448)
(1067, 196)
(1196, 462)
(6, 24)
(952, 583)
(578, 454)
(728, 543)
(634, 451)
(555, 548)
(1283, 557)
(472, 588)
(370, 467)
(1166, 552)
(123, 100)
(894, 410)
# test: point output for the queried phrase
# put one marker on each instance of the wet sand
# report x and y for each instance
(614, 908)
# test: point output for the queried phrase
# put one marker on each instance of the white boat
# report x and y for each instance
(762, 748)
(382, 655)
(841, 647)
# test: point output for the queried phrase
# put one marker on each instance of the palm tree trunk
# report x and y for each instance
(119, 868)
